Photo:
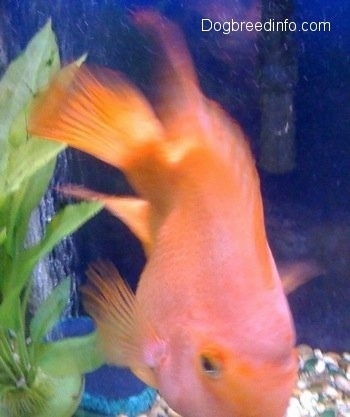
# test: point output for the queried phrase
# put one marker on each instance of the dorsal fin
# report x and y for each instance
(183, 109)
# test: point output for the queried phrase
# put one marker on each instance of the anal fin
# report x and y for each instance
(134, 212)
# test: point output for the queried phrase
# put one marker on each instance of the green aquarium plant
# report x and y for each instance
(38, 378)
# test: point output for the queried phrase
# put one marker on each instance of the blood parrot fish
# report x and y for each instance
(209, 325)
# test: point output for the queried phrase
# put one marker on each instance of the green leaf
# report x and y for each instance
(14, 218)
(10, 312)
(67, 395)
(49, 311)
(28, 158)
(24, 76)
(26, 167)
(22, 204)
(70, 356)
(64, 223)
(3, 235)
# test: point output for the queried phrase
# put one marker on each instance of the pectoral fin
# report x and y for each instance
(127, 338)
(295, 274)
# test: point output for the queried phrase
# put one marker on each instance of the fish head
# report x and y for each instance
(246, 386)
(210, 380)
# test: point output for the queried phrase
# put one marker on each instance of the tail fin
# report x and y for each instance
(101, 113)
(97, 112)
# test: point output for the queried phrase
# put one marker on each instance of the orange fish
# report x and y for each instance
(209, 325)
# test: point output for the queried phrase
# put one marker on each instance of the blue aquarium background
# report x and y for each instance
(307, 204)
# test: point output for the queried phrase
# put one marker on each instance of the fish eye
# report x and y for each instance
(212, 367)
